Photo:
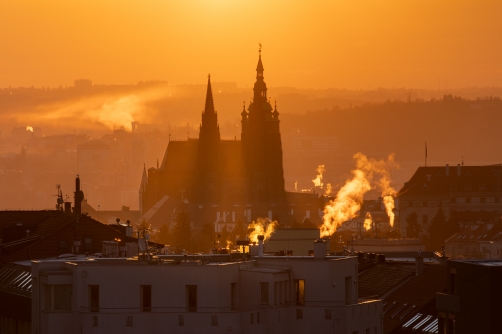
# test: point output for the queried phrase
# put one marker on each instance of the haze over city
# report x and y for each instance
(250, 166)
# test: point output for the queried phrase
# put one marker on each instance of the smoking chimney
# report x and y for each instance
(260, 245)
(447, 171)
(79, 196)
(319, 249)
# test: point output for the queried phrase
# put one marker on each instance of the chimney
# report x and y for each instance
(67, 207)
(447, 171)
(458, 170)
(78, 196)
(319, 249)
(260, 245)
(128, 229)
(419, 265)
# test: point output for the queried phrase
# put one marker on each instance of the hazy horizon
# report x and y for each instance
(353, 45)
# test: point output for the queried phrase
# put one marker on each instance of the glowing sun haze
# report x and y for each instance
(308, 44)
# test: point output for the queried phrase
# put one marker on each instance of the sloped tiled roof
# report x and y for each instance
(434, 181)
(7, 218)
(477, 232)
(416, 297)
(383, 277)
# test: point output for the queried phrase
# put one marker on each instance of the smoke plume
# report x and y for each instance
(368, 220)
(263, 227)
(318, 180)
(349, 198)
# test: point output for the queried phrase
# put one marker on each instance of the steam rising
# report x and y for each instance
(29, 128)
(263, 227)
(349, 198)
(368, 220)
(318, 180)
(329, 189)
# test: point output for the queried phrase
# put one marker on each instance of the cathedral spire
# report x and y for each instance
(209, 129)
(259, 67)
(209, 97)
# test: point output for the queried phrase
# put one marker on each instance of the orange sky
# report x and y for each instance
(356, 44)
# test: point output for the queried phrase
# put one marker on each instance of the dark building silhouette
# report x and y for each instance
(242, 179)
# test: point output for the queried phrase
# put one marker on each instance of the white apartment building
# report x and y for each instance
(263, 294)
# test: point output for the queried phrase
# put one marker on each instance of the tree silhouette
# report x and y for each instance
(182, 232)
(413, 228)
(439, 230)
(162, 236)
(204, 239)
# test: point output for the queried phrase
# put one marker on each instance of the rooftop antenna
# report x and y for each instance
(462, 160)
(425, 154)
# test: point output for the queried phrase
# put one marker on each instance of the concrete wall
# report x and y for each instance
(119, 283)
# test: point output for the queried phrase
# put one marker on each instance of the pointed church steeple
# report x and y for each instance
(209, 97)
(260, 87)
(209, 128)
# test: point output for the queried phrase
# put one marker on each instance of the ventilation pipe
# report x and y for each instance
(260, 245)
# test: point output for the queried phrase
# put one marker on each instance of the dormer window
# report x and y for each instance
(482, 187)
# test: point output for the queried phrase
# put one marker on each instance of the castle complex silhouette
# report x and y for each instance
(240, 178)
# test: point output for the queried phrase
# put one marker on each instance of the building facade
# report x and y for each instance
(463, 192)
(273, 294)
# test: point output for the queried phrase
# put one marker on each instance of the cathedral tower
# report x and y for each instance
(261, 138)
(209, 177)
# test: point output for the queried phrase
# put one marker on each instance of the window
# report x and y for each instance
(300, 291)
(129, 321)
(258, 320)
(376, 330)
(482, 187)
(483, 200)
(214, 320)
(88, 244)
(252, 318)
(327, 314)
(146, 298)
(468, 200)
(94, 298)
(410, 204)
(94, 321)
(57, 297)
(181, 320)
(368, 331)
(424, 204)
(63, 244)
(233, 296)
(299, 313)
(264, 293)
(191, 298)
